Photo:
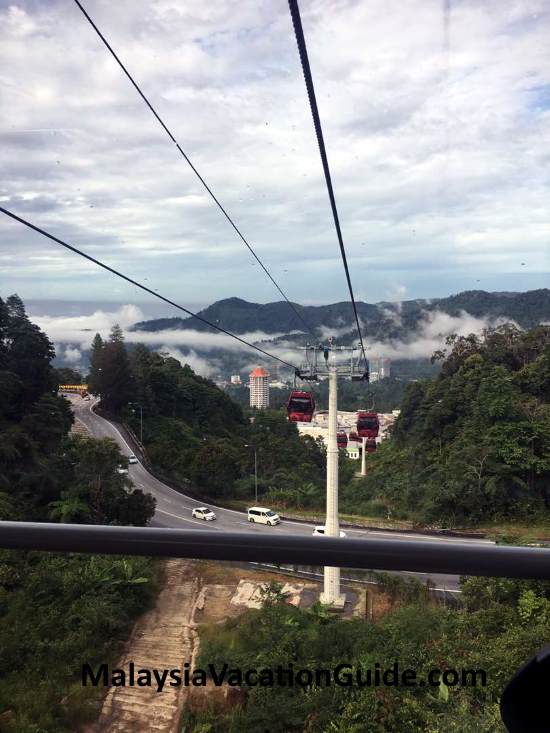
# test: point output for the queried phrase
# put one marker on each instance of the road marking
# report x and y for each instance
(413, 537)
(185, 519)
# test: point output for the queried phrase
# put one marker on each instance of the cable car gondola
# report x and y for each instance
(367, 424)
(341, 439)
(300, 406)
(370, 445)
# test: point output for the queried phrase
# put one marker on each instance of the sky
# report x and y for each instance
(436, 117)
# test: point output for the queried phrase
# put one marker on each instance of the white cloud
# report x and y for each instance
(438, 150)
(201, 366)
(71, 355)
(82, 329)
(430, 335)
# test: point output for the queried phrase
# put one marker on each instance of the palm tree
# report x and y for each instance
(69, 509)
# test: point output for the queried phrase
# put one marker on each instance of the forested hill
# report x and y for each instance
(57, 609)
(383, 320)
(473, 444)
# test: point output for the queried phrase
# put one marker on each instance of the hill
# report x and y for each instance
(383, 321)
(473, 444)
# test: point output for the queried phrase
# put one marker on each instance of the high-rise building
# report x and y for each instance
(259, 388)
(380, 368)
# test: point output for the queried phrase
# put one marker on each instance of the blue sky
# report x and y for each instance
(439, 146)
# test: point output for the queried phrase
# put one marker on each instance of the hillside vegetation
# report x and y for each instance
(473, 444)
(501, 624)
(383, 321)
(194, 434)
(57, 611)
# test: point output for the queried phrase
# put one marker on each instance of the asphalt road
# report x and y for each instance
(174, 509)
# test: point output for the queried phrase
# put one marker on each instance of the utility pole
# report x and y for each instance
(364, 458)
(255, 476)
(311, 370)
(246, 445)
(140, 420)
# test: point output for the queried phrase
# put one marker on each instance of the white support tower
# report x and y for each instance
(364, 458)
(311, 370)
(331, 592)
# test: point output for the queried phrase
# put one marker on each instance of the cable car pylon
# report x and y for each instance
(322, 361)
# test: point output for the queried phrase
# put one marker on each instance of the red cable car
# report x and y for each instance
(370, 445)
(367, 424)
(300, 406)
(341, 439)
(353, 436)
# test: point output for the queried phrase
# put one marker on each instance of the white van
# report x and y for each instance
(263, 516)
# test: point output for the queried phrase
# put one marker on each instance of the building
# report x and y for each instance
(380, 368)
(353, 451)
(259, 388)
(236, 379)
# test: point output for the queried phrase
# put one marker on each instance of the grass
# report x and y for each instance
(498, 531)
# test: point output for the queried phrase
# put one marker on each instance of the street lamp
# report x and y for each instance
(246, 445)
(140, 419)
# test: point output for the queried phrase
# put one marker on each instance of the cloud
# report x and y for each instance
(71, 355)
(438, 144)
(430, 335)
(198, 364)
(82, 329)
(327, 331)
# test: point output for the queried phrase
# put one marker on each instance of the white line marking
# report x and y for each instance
(178, 516)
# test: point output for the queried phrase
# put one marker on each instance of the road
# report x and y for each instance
(174, 509)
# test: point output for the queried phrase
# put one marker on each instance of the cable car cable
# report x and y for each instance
(139, 285)
(187, 159)
(300, 40)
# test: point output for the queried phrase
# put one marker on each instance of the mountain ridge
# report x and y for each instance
(382, 321)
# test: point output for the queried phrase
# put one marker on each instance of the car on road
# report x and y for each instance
(320, 531)
(123, 471)
(263, 516)
(132, 458)
(203, 512)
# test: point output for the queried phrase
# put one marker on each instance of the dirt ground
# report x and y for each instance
(194, 593)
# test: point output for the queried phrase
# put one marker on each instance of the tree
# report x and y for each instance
(66, 375)
(70, 509)
(116, 377)
(27, 351)
(49, 420)
(96, 366)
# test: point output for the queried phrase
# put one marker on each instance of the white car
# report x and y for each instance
(203, 512)
(132, 458)
(122, 471)
(321, 531)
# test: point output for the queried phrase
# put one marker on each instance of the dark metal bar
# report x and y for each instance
(451, 557)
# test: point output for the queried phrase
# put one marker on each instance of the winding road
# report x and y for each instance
(174, 509)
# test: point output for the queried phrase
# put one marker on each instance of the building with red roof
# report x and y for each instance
(259, 388)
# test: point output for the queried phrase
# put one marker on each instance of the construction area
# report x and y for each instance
(196, 593)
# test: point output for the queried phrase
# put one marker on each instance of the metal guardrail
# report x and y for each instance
(380, 554)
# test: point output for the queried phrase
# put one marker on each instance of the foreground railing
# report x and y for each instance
(381, 554)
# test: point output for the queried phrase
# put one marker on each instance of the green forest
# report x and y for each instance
(499, 625)
(195, 435)
(57, 611)
(473, 444)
